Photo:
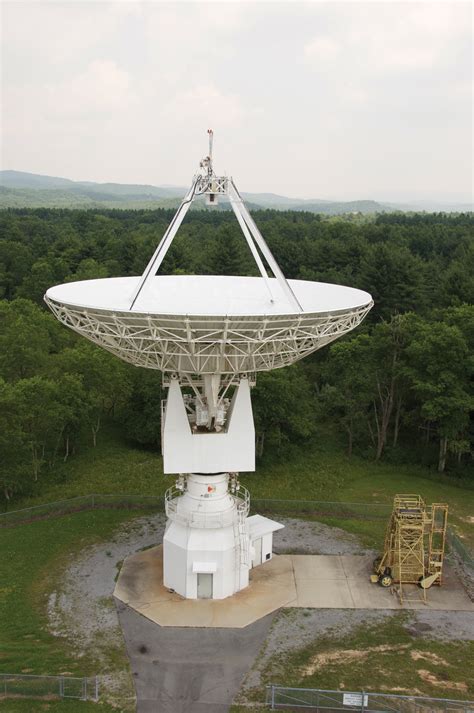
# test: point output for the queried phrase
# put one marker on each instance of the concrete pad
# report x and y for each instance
(318, 567)
(324, 594)
(140, 585)
(321, 582)
(312, 581)
(357, 566)
(366, 595)
(450, 596)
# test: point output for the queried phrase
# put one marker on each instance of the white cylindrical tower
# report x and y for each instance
(206, 547)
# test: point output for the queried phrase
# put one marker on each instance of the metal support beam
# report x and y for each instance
(258, 238)
(236, 207)
(205, 184)
(165, 243)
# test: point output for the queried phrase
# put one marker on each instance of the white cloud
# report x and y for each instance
(390, 36)
(58, 31)
(321, 49)
(206, 105)
(101, 91)
(102, 87)
(304, 97)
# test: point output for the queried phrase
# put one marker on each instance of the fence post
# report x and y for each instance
(362, 708)
(5, 682)
(93, 501)
(273, 697)
(61, 687)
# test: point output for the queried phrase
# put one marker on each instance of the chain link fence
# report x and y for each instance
(280, 697)
(322, 508)
(78, 504)
(25, 685)
(456, 545)
(296, 508)
(288, 508)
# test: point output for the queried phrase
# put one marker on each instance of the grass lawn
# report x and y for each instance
(318, 471)
(33, 555)
(385, 658)
(325, 473)
(114, 466)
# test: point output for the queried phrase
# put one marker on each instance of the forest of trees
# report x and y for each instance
(399, 387)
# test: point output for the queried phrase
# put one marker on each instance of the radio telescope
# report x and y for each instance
(209, 335)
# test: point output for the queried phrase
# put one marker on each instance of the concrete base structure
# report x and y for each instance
(210, 543)
(310, 581)
(206, 546)
(199, 565)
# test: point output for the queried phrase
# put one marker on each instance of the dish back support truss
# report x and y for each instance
(207, 183)
(207, 344)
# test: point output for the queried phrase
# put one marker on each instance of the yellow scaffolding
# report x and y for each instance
(414, 545)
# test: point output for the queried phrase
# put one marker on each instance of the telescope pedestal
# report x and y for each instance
(206, 547)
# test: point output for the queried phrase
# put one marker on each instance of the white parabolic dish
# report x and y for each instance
(207, 324)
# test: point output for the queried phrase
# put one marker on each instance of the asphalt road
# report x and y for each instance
(187, 670)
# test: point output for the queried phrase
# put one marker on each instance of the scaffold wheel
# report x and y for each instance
(385, 580)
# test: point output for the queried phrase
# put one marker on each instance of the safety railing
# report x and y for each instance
(211, 520)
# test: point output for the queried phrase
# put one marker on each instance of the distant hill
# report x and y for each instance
(19, 189)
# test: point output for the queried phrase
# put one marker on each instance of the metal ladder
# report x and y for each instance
(437, 538)
(241, 550)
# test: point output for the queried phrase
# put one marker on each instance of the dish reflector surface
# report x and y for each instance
(208, 324)
(207, 295)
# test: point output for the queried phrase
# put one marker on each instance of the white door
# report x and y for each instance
(204, 586)
(257, 544)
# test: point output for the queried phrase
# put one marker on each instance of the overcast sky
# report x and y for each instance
(324, 99)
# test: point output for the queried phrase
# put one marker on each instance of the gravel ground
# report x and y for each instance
(446, 626)
(464, 572)
(82, 604)
(313, 538)
(82, 607)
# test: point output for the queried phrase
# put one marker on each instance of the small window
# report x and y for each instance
(268, 555)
